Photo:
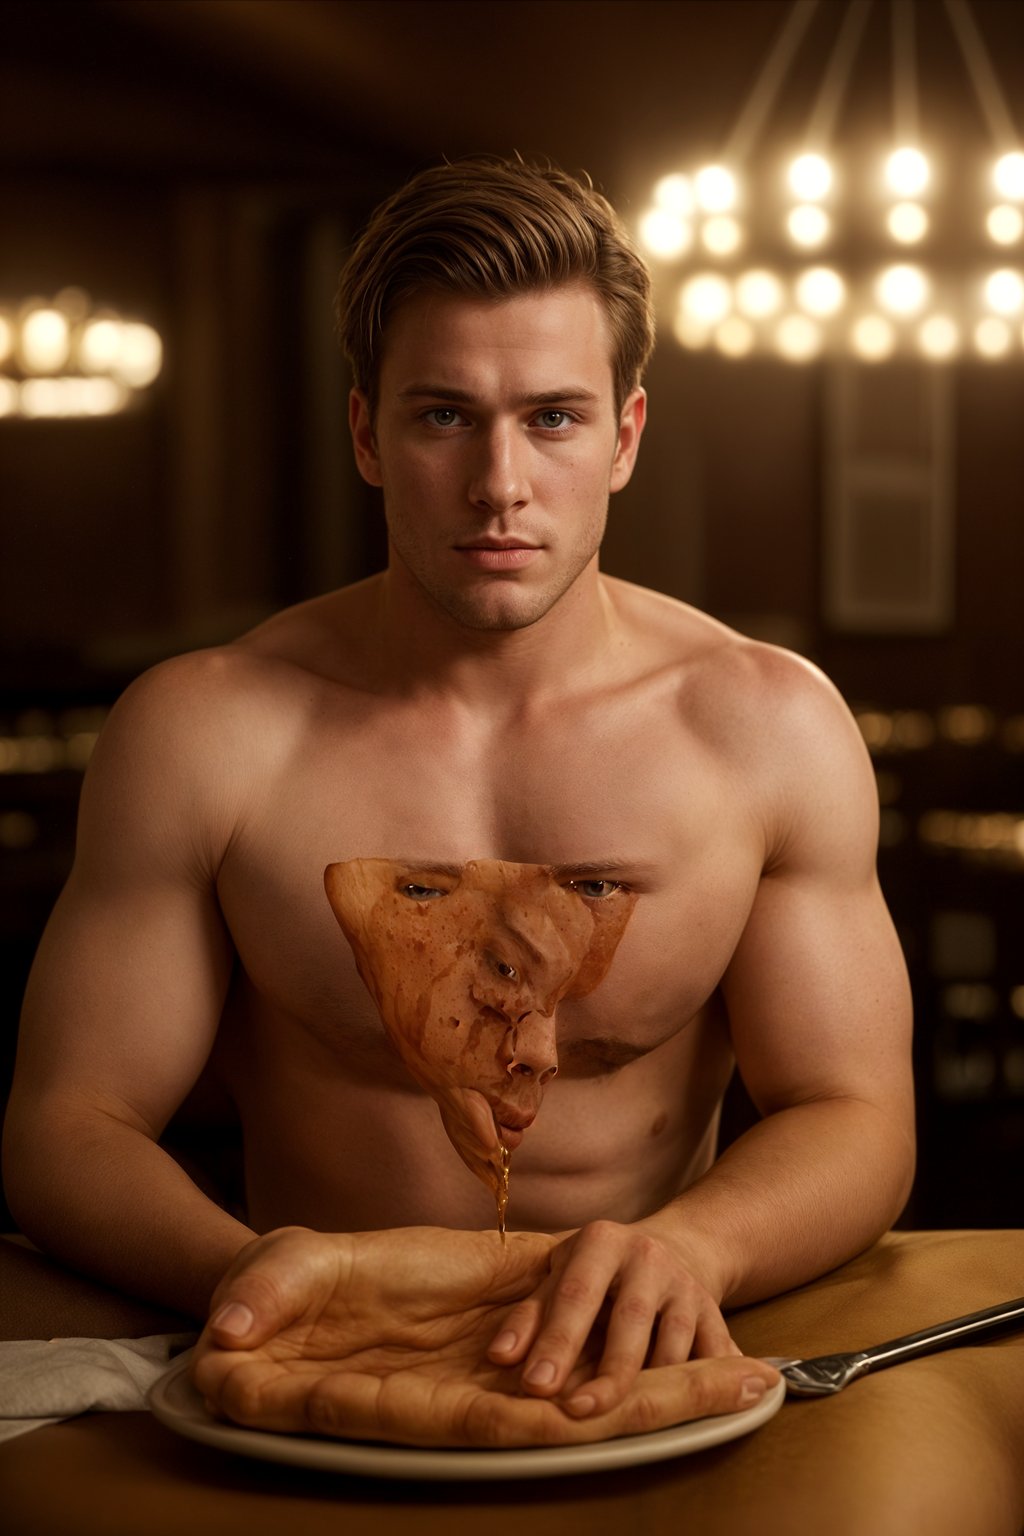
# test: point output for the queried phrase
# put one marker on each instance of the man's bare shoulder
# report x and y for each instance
(767, 712)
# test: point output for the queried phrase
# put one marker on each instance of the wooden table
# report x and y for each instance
(931, 1448)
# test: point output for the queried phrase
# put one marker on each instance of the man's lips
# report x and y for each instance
(512, 1125)
(498, 554)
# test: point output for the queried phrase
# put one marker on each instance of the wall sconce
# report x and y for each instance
(62, 358)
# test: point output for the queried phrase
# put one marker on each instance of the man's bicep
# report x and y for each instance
(125, 995)
(818, 997)
(124, 1000)
(817, 990)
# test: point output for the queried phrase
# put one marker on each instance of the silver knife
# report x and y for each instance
(826, 1374)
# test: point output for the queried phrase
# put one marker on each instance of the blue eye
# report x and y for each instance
(596, 890)
(422, 892)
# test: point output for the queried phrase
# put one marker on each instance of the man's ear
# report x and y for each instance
(632, 420)
(364, 440)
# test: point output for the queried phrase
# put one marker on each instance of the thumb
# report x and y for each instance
(270, 1284)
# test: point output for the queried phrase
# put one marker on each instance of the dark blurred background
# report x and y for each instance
(202, 164)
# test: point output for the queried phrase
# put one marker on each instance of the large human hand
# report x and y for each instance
(654, 1308)
(384, 1336)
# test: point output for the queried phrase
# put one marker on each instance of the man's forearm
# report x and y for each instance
(801, 1192)
(106, 1199)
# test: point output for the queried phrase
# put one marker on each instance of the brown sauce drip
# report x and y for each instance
(502, 1190)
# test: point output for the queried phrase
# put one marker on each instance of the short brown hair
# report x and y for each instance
(492, 228)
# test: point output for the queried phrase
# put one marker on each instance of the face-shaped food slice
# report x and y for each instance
(467, 966)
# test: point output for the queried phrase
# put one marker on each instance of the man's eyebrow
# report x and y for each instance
(429, 867)
(592, 867)
(569, 393)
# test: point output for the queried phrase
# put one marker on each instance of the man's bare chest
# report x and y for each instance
(631, 804)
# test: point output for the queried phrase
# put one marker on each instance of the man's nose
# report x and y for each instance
(500, 481)
(530, 1048)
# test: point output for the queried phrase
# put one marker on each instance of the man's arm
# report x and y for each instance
(820, 1016)
(124, 1001)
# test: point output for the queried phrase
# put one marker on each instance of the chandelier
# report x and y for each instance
(834, 252)
(63, 358)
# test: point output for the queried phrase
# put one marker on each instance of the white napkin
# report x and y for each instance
(43, 1381)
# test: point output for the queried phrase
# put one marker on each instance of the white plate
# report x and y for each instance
(176, 1403)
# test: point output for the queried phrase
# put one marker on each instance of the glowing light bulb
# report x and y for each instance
(907, 223)
(721, 235)
(1008, 176)
(141, 355)
(907, 172)
(674, 193)
(664, 233)
(938, 337)
(992, 337)
(734, 337)
(99, 345)
(758, 294)
(690, 332)
(706, 298)
(715, 189)
(808, 226)
(810, 177)
(1005, 225)
(902, 290)
(44, 340)
(820, 291)
(873, 338)
(1004, 292)
(798, 339)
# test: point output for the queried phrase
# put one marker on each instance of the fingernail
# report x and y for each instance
(505, 1341)
(753, 1389)
(234, 1319)
(540, 1374)
(579, 1407)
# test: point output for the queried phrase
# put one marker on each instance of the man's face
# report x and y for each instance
(497, 443)
(467, 965)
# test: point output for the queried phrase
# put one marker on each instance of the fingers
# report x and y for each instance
(273, 1281)
(518, 1331)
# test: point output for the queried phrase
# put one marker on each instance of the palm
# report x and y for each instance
(388, 1340)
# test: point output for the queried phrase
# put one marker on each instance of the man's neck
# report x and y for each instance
(578, 641)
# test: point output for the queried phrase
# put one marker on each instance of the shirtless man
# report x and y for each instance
(490, 695)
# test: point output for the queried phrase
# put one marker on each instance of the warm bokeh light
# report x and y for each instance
(674, 193)
(1004, 292)
(706, 298)
(1008, 176)
(902, 290)
(6, 338)
(715, 189)
(690, 332)
(808, 226)
(810, 177)
(99, 345)
(798, 339)
(721, 235)
(939, 337)
(820, 291)
(873, 338)
(142, 355)
(907, 223)
(907, 172)
(992, 338)
(1004, 224)
(758, 294)
(664, 233)
(72, 397)
(43, 340)
(735, 337)
(9, 395)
